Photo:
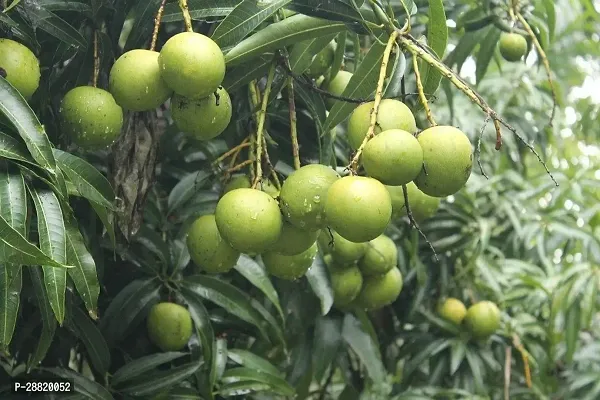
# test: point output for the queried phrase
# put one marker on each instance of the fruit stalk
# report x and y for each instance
(232, 151)
(293, 128)
(262, 114)
(414, 224)
(416, 49)
(545, 61)
(378, 96)
(241, 165)
(421, 92)
(157, 20)
(187, 19)
(270, 165)
(96, 60)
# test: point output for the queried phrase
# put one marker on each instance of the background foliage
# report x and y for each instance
(514, 238)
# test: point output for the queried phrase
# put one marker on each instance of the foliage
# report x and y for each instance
(515, 238)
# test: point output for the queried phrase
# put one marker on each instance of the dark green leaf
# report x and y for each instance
(219, 361)
(226, 296)
(572, 326)
(12, 149)
(244, 18)
(200, 9)
(143, 14)
(301, 55)
(362, 344)
(11, 282)
(241, 75)
(66, 5)
(361, 86)
(338, 58)
(437, 39)
(252, 361)
(48, 321)
(83, 274)
(487, 48)
(90, 183)
(56, 26)
(258, 276)
(88, 333)
(92, 390)
(153, 383)
(327, 341)
(142, 365)
(202, 323)
(276, 384)
(186, 189)
(280, 34)
(107, 220)
(53, 242)
(18, 112)
(319, 282)
(242, 388)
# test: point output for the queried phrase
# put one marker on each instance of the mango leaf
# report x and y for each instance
(13, 208)
(361, 86)
(258, 276)
(186, 189)
(53, 242)
(54, 25)
(276, 384)
(243, 74)
(202, 324)
(362, 344)
(242, 388)
(338, 58)
(143, 14)
(88, 333)
(319, 282)
(66, 5)
(280, 34)
(228, 297)
(48, 321)
(142, 365)
(107, 221)
(219, 361)
(152, 383)
(90, 183)
(243, 19)
(18, 112)
(82, 385)
(551, 20)
(12, 149)
(83, 274)
(301, 55)
(338, 10)
(487, 49)
(327, 341)
(253, 361)
(200, 9)
(437, 40)
(128, 308)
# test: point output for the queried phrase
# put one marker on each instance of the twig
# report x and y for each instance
(96, 60)
(323, 390)
(239, 166)
(414, 224)
(545, 61)
(234, 150)
(412, 45)
(261, 124)
(187, 19)
(270, 164)
(293, 127)
(507, 363)
(479, 137)
(421, 92)
(378, 95)
(519, 346)
(157, 20)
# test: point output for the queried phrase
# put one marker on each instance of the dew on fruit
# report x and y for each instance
(317, 199)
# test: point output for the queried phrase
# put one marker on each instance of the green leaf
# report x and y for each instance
(327, 341)
(107, 221)
(572, 326)
(66, 5)
(84, 274)
(143, 14)
(186, 189)
(200, 9)
(258, 276)
(551, 21)
(139, 366)
(48, 321)
(338, 10)
(53, 242)
(128, 308)
(301, 54)
(338, 58)
(202, 324)
(242, 388)
(280, 34)
(457, 355)
(252, 361)
(90, 183)
(241, 75)
(154, 382)
(226, 296)
(90, 389)
(56, 26)
(11, 282)
(88, 333)
(244, 18)
(219, 361)
(362, 344)
(13, 4)
(276, 384)
(437, 39)
(361, 86)
(487, 49)
(319, 282)
(18, 112)
(12, 149)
